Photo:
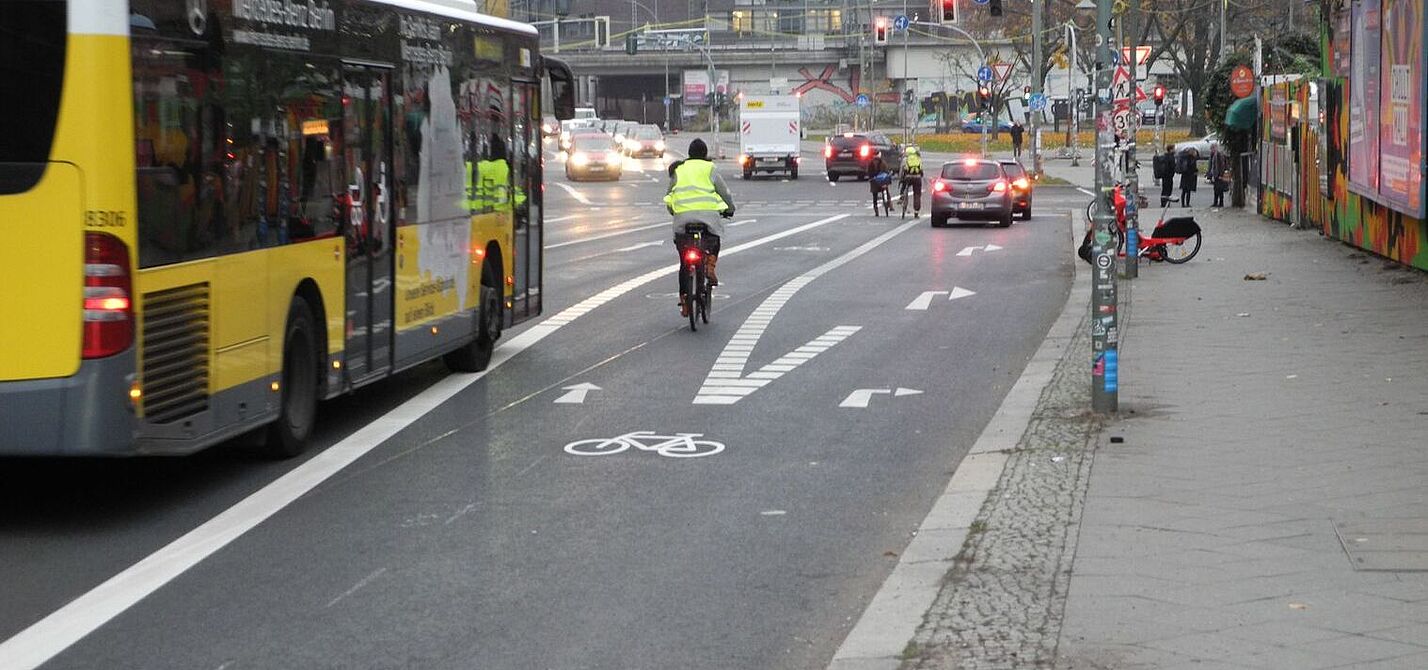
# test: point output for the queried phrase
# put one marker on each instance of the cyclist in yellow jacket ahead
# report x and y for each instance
(697, 194)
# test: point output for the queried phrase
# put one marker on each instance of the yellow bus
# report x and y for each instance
(216, 213)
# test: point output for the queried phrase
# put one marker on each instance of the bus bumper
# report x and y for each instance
(85, 414)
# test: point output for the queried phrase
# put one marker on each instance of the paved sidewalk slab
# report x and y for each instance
(1268, 425)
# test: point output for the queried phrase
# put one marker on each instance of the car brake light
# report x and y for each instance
(828, 152)
(997, 186)
(938, 186)
(743, 159)
(108, 308)
(865, 151)
(692, 255)
(1022, 183)
(969, 161)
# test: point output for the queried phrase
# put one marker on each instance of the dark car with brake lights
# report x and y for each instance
(975, 189)
(849, 154)
(1021, 187)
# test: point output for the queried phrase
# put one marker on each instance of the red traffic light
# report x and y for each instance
(949, 12)
(1159, 93)
(880, 30)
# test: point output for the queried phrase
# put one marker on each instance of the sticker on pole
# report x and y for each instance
(1103, 261)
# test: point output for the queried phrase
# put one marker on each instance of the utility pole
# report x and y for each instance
(1037, 7)
(1073, 123)
(1132, 268)
(1105, 354)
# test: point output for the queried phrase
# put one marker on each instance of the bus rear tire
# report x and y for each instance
(476, 356)
(297, 406)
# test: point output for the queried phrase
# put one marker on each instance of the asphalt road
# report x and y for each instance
(472, 538)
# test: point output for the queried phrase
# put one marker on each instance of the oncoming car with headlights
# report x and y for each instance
(593, 156)
(645, 141)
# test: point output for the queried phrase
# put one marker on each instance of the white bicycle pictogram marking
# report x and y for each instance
(678, 445)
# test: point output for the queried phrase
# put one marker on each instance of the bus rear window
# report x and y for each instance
(32, 46)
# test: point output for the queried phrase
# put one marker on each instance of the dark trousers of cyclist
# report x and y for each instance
(914, 185)
(682, 242)
(1167, 186)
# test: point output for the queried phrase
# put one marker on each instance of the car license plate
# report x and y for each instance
(597, 168)
(846, 154)
(969, 205)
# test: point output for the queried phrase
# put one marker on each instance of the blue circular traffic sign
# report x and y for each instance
(862, 100)
(980, 2)
(1038, 102)
(984, 73)
(901, 22)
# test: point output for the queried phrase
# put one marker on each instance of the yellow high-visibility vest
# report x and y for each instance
(488, 185)
(694, 189)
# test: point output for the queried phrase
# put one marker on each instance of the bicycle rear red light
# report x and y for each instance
(691, 255)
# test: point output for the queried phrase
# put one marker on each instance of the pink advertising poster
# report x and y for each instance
(1364, 99)
(1401, 106)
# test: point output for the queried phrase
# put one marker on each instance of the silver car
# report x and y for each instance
(972, 189)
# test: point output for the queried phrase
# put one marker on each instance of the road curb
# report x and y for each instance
(891, 619)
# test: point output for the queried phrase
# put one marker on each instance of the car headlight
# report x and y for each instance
(619, 138)
(579, 158)
(632, 145)
(659, 146)
(612, 157)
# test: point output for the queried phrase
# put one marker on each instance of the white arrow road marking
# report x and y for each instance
(576, 394)
(579, 197)
(967, 251)
(727, 384)
(922, 302)
(959, 292)
(860, 398)
(46, 638)
(641, 245)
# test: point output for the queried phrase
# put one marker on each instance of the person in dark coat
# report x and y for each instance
(1163, 165)
(1189, 170)
(1016, 134)
(1218, 170)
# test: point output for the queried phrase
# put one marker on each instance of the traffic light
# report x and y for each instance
(984, 97)
(880, 30)
(995, 7)
(632, 44)
(946, 11)
(1159, 94)
(907, 96)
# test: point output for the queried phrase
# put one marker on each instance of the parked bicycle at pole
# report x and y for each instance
(1175, 240)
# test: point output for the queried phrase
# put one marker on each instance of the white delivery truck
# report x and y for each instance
(770, 133)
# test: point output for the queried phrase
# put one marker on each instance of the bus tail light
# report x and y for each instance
(108, 306)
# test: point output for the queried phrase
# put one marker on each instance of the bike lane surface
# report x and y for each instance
(490, 546)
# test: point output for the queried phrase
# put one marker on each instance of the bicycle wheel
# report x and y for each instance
(705, 299)
(693, 449)
(696, 281)
(596, 447)
(1183, 252)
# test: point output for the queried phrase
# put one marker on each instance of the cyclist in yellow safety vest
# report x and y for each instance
(912, 179)
(697, 194)
(488, 184)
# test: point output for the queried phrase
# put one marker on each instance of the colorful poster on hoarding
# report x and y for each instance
(1401, 87)
(1343, 24)
(1363, 99)
(1279, 112)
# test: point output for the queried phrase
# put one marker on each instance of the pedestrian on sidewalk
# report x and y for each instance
(1189, 170)
(1163, 166)
(1016, 132)
(1218, 170)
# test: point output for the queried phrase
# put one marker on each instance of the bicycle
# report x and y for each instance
(1175, 241)
(881, 183)
(678, 445)
(691, 263)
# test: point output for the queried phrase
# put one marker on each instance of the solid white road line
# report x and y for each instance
(720, 388)
(608, 235)
(558, 219)
(51, 635)
(579, 197)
